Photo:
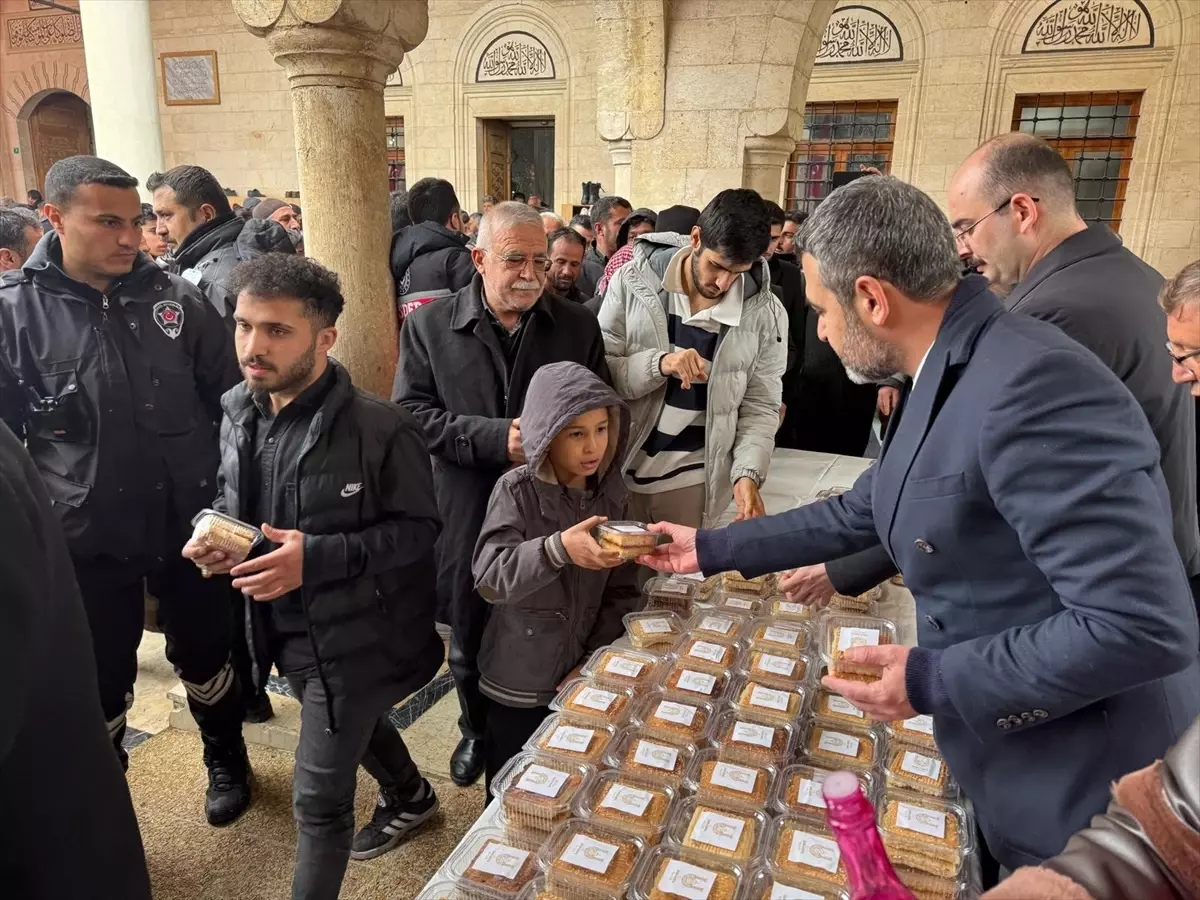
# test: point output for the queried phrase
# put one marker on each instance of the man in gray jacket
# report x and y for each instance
(705, 401)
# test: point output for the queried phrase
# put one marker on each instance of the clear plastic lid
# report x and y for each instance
(779, 607)
(628, 539)
(590, 857)
(708, 652)
(930, 887)
(671, 873)
(752, 738)
(586, 698)
(657, 630)
(487, 863)
(733, 582)
(676, 719)
(574, 739)
(738, 603)
(798, 790)
(778, 671)
(448, 890)
(717, 831)
(720, 624)
(840, 632)
(752, 697)
(730, 782)
(781, 638)
(763, 885)
(917, 730)
(626, 802)
(802, 846)
(675, 585)
(231, 536)
(707, 588)
(650, 756)
(834, 708)
(536, 790)
(635, 669)
(840, 746)
(689, 681)
(917, 768)
(932, 836)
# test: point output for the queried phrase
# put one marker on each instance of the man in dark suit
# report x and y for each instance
(1020, 493)
(1012, 206)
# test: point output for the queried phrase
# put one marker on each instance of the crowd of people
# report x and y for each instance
(1036, 487)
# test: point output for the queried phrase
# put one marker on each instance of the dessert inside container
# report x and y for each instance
(584, 858)
(923, 833)
(836, 746)
(781, 638)
(780, 671)
(771, 702)
(735, 583)
(803, 846)
(635, 669)
(781, 608)
(841, 632)
(650, 756)
(752, 738)
(489, 865)
(738, 603)
(575, 739)
(679, 720)
(720, 624)
(911, 767)
(708, 652)
(723, 833)
(798, 789)
(594, 701)
(669, 873)
(536, 790)
(657, 630)
(730, 782)
(763, 885)
(917, 730)
(625, 802)
(690, 682)
(834, 708)
(671, 593)
(628, 539)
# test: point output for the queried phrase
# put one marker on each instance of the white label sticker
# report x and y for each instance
(697, 682)
(594, 698)
(836, 742)
(844, 707)
(921, 820)
(810, 793)
(777, 635)
(768, 698)
(719, 624)
(590, 854)
(680, 879)
(626, 529)
(500, 859)
(815, 851)
(673, 587)
(704, 650)
(543, 781)
(678, 713)
(656, 755)
(718, 830)
(623, 665)
(921, 724)
(738, 603)
(627, 799)
(795, 609)
(783, 892)
(920, 764)
(655, 626)
(749, 733)
(776, 665)
(566, 737)
(857, 637)
(736, 778)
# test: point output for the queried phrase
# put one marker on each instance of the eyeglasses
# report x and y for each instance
(1181, 358)
(515, 262)
(966, 232)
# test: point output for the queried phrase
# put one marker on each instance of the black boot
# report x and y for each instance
(258, 708)
(229, 778)
(466, 763)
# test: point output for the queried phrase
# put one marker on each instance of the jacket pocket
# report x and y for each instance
(63, 491)
(937, 486)
(174, 400)
(524, 650)
(60, 408)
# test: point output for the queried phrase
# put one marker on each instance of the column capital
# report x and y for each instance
(774, 150)
(341, 43)
(620, 151)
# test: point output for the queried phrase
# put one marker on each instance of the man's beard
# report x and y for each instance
(562, 285)
(697, 284)
(296, 374)
(512, 301)
(867, 359)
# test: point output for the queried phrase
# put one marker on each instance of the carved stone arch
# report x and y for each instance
(491, 22)
(1012, 23)
(40, 79)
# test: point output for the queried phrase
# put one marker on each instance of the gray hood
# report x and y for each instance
(557, 393)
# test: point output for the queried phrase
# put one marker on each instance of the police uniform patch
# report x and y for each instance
(168, 315)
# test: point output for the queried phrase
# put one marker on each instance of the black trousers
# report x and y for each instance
(468, 620)
(193, 613)
(508, 728)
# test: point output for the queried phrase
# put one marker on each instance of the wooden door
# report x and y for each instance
(58, 127)
(496, 157)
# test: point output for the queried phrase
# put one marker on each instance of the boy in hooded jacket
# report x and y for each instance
(558, 596)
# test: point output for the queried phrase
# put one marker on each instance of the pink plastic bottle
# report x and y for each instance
(851, 818)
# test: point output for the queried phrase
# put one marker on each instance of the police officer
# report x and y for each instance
(112, 371)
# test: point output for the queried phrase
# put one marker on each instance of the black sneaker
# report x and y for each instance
(229, 778)
(393, 819)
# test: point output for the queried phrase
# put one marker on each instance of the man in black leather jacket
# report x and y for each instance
(112, 371)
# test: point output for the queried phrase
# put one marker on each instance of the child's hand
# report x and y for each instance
(583, 549)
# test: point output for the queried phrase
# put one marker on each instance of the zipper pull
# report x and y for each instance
(104, 306)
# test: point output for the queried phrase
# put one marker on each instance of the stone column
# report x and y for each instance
(338, 55)
(622, 160)
(765, 162)
(123, 81)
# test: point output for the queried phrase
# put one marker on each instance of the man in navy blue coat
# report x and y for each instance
(1019, 492)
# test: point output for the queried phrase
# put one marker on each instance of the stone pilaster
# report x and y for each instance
(338, 55)
(622, 160)
(765, 161)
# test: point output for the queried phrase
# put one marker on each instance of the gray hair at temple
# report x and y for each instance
(14, 222)
(503, 216)
(1182, 290)
(886, 229)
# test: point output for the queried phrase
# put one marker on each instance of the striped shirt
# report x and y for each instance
(672, 457)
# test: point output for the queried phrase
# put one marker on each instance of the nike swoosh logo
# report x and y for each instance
(351, 489)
